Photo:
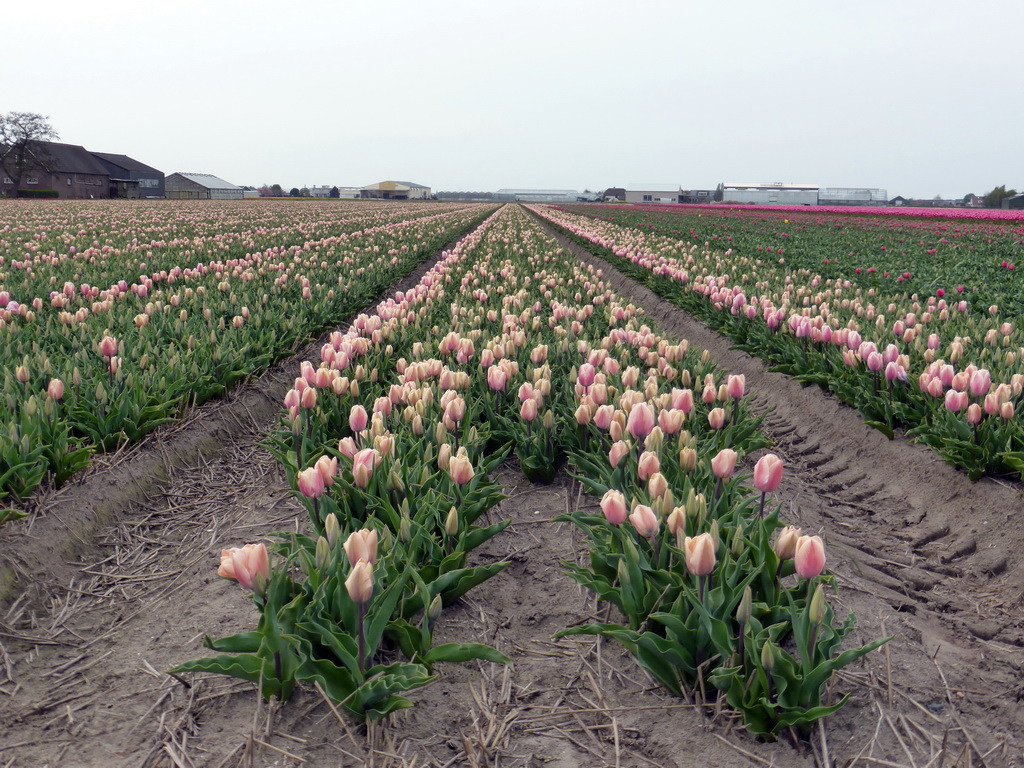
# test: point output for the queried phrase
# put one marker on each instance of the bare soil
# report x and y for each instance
(107, 604)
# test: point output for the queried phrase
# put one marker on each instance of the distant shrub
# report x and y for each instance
(38, 193)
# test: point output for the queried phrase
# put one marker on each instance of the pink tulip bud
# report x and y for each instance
(640, 421)
(603, 416)
(645, 521)
(1006, 410)
(361, 545)
(108, 346)
(248, 565)
(292, 399)
(657, 485)
(648, 464)
(809, 557)
(699, 552)
(974, 414)
(980, 381)
(768, 473)
(327, 466)
(682, 399)
(716, 418)
(460, 469)
(618, 451)
(736, 385)
(55, 390)
(613, 504)
(671, 421)
(347, 447)
(586, 375)
(528, 410)
(496, 378)
(359, 583)
(357, 418)
(785, 544)
(724, 464)
(308, 398)
(311, 483)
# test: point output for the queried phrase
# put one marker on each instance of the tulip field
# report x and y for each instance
(914, 322)
(699, 558)
(112, 323)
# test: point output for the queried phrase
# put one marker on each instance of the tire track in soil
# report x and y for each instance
(920, 552)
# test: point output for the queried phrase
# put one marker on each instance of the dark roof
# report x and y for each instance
(67, 158)
(125, 162)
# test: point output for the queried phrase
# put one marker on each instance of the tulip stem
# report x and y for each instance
(761, 511)
(362, 637)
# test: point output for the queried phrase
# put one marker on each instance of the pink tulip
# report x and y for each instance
(357, 418)
(981, 380)
(657, 485)
(735, 386)
(648, 464)
(586, 375)
(974, 414)
(460, 469)
(671, 421)
(247, 565)
(613, 504)
(785, 544)
(361, 545)
(347, 447)
(699, 552)
(292, 399)
(603, 416)
(640, 421)
(618, 451)
(359, 583)
(327, 466)
(308, 398)
(645, 521)
(311, 483)
(497, 378)
(768, 473)
(953, 401)
(809, 556)
(724, 464)
(716, 418)
(682, 399)
(55, 390)
(528, 410)
(108, 346)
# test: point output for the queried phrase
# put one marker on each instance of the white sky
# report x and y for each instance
(921, 97)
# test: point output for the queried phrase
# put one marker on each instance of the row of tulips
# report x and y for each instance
(91, 369)
(507, 340)
(950, 376)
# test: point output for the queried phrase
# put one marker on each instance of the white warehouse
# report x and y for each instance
(654, 193)
(772, 193)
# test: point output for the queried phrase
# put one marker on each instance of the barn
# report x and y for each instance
(200, 186)
(131, 179)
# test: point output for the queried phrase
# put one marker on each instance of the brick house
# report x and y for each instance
(69, 169)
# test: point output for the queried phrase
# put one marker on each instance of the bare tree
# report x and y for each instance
(19, 153)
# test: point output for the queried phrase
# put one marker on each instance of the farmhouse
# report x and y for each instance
(131, 179)
(654, 193)
(395, 190)
(68, 169)
(771, 193)
(200, 186)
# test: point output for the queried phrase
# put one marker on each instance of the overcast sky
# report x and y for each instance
(919, 97)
